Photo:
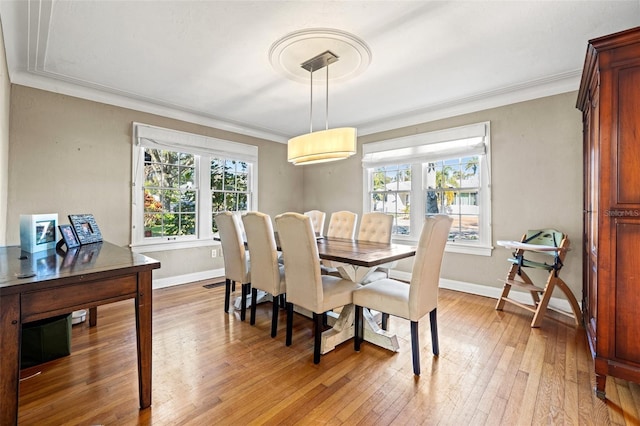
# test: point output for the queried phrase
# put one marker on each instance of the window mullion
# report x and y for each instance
(417, 200)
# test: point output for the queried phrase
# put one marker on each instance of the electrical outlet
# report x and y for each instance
(214, 253)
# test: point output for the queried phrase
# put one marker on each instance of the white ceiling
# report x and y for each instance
(208, 61)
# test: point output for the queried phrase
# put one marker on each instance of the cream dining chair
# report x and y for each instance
(236, 261)
(267, 273)
(306, 287)
(342, 224)
(317, 220)
(375, 227)
(414, 300)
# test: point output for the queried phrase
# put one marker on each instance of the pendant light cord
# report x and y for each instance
(311, 105)
(326, 113)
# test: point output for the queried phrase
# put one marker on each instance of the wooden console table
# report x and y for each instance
(39, 285)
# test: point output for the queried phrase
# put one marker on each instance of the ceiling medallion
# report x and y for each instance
(287, 53)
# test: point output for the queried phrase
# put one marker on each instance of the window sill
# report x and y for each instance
(173, 245)
(476, 250)
(468, 249)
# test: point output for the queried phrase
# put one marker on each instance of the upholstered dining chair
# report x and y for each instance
(414, 300)
(342, 224)
(236, 262)
(375, 227)
(317, 220)
(306, 287)
(267, 273)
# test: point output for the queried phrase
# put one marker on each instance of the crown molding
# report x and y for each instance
(105, 95)
(540, 88)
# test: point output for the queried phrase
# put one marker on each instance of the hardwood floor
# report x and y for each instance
(211, 368)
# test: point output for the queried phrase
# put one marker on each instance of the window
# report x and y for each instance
(170, 193)
(180, 180)
(443, 172)
(229, 186)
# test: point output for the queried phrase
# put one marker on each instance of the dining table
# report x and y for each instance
(355, 260)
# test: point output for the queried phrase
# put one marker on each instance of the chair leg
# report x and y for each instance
(254, 296)
(243, 301)
(415, 348)
(227, 294)
(274, 316)
(358, 329)
(385, 321)
(289, 323)
(317, 319)
(434, 332)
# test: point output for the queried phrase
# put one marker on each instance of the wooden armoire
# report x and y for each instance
(609, 98)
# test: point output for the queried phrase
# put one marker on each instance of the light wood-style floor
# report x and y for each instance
(211, 368)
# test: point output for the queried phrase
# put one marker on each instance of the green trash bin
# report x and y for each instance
(45, 340)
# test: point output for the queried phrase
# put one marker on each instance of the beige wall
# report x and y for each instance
(5, 95)
(536, 182)
(70, 155)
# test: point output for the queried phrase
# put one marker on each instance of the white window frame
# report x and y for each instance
(205, 149)
(427, 147)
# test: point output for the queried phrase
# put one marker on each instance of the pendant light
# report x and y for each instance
(325, 145)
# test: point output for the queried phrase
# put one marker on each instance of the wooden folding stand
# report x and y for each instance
(544, 242)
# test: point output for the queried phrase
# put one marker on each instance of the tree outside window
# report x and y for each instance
(230, 189)
(170, 193)
(452, 189)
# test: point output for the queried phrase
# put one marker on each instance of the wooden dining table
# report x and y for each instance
(354, 260)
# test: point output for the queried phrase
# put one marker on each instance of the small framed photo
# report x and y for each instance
(38, 232)
(69, 236)
(86, 228)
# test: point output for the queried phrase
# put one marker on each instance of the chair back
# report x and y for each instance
(236, 267)
(317, 220)
(342, 225)
(302, 264)
(423, 294)
(545, 237)
(375, 227)
(263, 253)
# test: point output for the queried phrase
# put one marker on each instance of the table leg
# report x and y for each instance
(144, 334)
(93, 316)
(10, 326)
(374, 334)
(342, 330)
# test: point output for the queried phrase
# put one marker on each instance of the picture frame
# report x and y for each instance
(69, 236)
(38, 232)
(86, 228)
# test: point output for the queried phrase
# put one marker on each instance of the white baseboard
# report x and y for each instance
(187, 278)
(465, 287)
(492, 292)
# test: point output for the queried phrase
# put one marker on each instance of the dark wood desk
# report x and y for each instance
(40, 285)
